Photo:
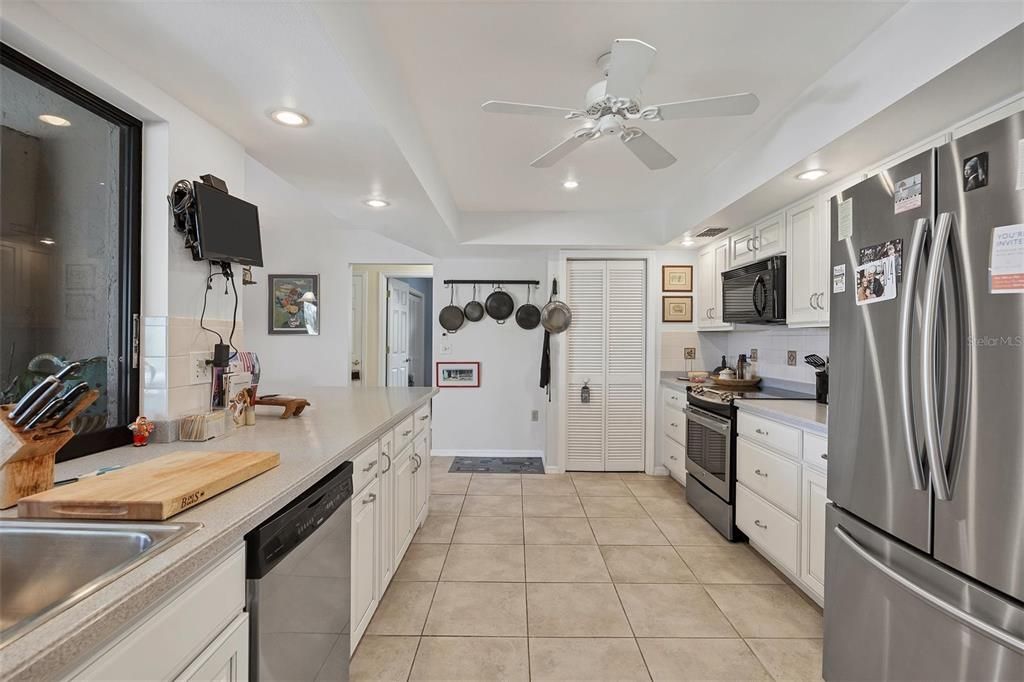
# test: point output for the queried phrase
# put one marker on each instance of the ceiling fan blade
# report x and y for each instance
(727, 105)
(496, 107)
(647, 150)
(631, 60)
(559, 152)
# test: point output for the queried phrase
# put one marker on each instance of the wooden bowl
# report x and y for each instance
(737, 383)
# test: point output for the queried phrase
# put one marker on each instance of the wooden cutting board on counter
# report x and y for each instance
(150, 491)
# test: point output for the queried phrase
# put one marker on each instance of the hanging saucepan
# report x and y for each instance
(474, 310)
(528, 315)
(451, 317)
(499, 305)
(556, 315)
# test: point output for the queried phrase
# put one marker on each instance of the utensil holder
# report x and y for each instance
(821, 387)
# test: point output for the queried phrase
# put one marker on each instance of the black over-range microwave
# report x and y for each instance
(755, 293)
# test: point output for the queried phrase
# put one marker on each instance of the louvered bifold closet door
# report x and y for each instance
(585, 432)
(625, 365)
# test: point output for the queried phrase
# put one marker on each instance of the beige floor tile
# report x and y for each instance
(613, 507)
(552, 505)
(422, 562)
(449, 484)
(403, 609)
(558, 531)
(478, 609)
(641, 476)
(446, 504)
(489, 530)
(565, 564)
(736, 564)
(507, 485)
(701, 659)
(594, 475)
(767, 611)
(691, 531)
(484, 563)
(483, 475)
(472, 658)
(436, 529)
(668, 508)
(789, 659)
(601, 487)
(651, 488)
(672, 611)
(593, 658)
(545, 485)
(646, 565)
(493, 505)
(382, 659)
(627, 532)
(575, 610)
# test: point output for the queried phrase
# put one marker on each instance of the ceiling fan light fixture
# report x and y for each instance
(571, 184)
(377, 202)
(812, 174)
(48, 241)
(287, 117)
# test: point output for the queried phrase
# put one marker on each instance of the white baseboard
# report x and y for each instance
(661, 470)
(552, 470)
(435, 452)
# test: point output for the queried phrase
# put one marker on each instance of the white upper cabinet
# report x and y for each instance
(758, 241)
(711, 263)
(807, 265)
(741, 247)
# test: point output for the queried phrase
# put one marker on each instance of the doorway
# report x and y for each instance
(409, 309)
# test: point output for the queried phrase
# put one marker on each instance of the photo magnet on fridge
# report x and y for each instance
(876, 281)
(907, 194)
(976, 171)
(893, 247)
(839, 279)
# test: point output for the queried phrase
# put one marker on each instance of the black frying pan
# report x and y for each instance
(499, 305)
(528, 315)
(451, 317)
(474, 310)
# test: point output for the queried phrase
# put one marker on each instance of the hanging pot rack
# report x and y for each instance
(493, 282)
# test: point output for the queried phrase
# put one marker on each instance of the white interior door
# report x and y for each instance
(417, 335)
(585, 433)
(398, 333)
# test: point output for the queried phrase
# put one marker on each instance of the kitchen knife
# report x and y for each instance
(52, 389)
(58, 405)
(81, 393)
(33, 394)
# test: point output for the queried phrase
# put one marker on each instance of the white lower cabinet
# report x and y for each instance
(386, 528)
(365, 551)
(421, 476)
(227, 657)
(405, 494)
(812, 547)
(673, 428)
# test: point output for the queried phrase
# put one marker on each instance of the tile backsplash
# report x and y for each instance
(772, 346)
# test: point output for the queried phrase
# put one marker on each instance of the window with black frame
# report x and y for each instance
(70, 197)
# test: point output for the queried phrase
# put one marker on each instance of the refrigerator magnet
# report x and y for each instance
(839, 278)
(876, 281)
(907, 194)
(1006, 267)
(844, 230)
(976, 171)
(892, 247)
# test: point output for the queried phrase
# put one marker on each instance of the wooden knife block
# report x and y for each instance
(27, 457)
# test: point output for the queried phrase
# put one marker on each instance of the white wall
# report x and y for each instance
(772, 345)
(673, 337)
(495, 418)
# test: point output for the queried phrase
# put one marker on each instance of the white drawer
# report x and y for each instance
(364, 466)
(785, 439)
(773, 477)
(674, 424)
(404, 432)
(769, 528)
(421, 419)
(816, 450)
(676, 399)
(674, 456)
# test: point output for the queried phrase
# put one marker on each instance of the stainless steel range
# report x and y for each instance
(711, 451)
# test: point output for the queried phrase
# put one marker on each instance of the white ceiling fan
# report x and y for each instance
(611, 105)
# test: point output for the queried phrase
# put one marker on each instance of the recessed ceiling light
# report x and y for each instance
(688, 241)
(55, 120)
(571, 184)
(49, 241)
(377, 203)
(812, 174)
(287, 117)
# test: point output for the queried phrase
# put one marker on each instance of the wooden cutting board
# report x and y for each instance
(150, 491)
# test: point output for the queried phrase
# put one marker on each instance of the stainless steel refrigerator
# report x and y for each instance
(924, 576)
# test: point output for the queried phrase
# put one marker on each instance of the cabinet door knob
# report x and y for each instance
(370, 498)
(757, 522)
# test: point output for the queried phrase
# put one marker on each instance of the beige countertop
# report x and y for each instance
(804, 414)
(336, 427)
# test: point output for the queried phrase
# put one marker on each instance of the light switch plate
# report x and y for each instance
(791, 358)
(690, 353)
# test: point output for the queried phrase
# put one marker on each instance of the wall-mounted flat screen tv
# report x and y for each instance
(229, 228)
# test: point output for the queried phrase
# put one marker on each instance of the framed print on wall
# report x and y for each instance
(677, 278)
(293, 304)
(457, 375)
(677, 308)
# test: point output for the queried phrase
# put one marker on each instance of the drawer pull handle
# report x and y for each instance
(424, 417)
(672, 457)
(370, 498)
(760, 432)
(760, 473)
(369, 466)
(406, 433)
(824, 455)
(674, 425)
(757, 522)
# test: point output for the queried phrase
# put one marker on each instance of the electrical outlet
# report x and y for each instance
(753, 354)
(791, 358)
(535, 416)
(200, 367)
(690, 353)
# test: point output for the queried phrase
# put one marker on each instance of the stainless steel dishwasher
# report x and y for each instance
(298, 571)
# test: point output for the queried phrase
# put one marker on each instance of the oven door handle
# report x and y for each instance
(695, 416)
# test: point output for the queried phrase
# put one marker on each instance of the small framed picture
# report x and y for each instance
(457, 375)
(677, 308)
(677, 278)
(293, 304)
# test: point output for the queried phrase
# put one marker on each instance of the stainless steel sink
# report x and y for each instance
(46, 566)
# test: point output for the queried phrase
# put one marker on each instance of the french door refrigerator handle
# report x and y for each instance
(998, 635)
(906, 319)
(932, 437)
